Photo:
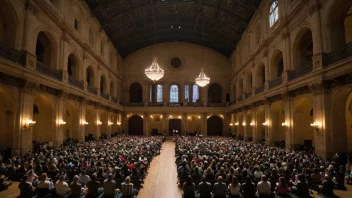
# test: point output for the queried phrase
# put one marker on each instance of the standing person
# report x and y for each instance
(219, 189)
(234, 188)
(189, 188)
(264, 187)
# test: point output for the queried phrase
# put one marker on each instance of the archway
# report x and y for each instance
(277, 117)
(91, 119)
(240, 88)
(260, 76)
(72, 119)
(90, 77)
(249, 82)
(112, 89)
(238, 127)
(46, 50)
(303, 48)
(8, 24)
(73, 68)
(277, 65)
(43, 130)
(214, 93)
(260, 133)
(175, 124)
(248, 127)
(8, 109)
(135, 125)
(103, 84)
(339, 24)
(303, 133)
(214, 126)
(136, 93)
(341, 137)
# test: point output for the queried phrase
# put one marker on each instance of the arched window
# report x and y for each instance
(186, 92)
(174, 93)
(274, 13)
(159, 93)
(195, 95)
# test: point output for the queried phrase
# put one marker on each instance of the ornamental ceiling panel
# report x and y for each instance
(134, 24)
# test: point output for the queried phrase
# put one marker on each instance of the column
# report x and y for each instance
(124, 123)
(287, 55)
(166, 94)
(268, 126)
(97, 133)
(204, 92)
(146, 131)
(185, 124)
(22, 139)
(58, 140)
(288, 124)
(82, 113)
(98, 81)
(232, 124)
(244, 124)
(316, 27)
(164, 120)
(110, 123)
(203, 124)
(254, 123)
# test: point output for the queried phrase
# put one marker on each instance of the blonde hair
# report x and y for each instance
(128, 180)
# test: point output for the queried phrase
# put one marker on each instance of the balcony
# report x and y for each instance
(103, 95)
(40, 67)
(156, 104)
(174, 104)
(337, 55)
(74, 82)
(194, 104)
(114, 100)
(275, 83)
(221, 104)
(92, 90)
(232, 102)
(259, 90)
(133, 104)
(247, 95)
(239, 99)
(11, 54)
(305, 69)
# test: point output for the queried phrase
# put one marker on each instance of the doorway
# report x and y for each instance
(175, 124)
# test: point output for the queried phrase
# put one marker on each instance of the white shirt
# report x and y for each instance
(234, 190)
(264, 188)
(258, 174)
(83, 179)
(61, 188)
(46, 184)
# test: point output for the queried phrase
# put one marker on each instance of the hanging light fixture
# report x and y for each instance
(154, 72)
(202, 79)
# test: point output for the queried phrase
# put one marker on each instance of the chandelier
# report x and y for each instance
(154, 72)
(202, 79)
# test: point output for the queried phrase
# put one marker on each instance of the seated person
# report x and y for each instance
(189, 188)
(93, 187)
(127, 188)
(109, 187)
(26, 188)
(220, 188)
(234, 188)
(204, 188)
(315, 178)
(76, 188)
(301, 189)
(339, 179)
(248, 188)
(4, 183)
(327, 187)
(282, 188)
(61, 187)
(264, 187)
(83, 178)
(44, 183)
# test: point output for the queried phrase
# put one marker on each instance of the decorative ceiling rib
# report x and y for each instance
(131, 24)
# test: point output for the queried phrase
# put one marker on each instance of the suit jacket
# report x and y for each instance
(204, 189)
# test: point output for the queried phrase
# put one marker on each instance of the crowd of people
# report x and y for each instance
(222, 167)
(112, 167)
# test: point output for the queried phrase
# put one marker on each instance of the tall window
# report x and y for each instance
(159, 93)
(195, 96)
(186, 92)
(174, 93)
(274, 13)
(150, 93)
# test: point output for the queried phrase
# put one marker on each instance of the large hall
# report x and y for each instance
(175, 98)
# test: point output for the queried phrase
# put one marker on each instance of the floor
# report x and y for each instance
(161, 179)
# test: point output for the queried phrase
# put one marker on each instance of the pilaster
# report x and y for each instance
(268, 122)
(82, 116)
(97, 133)
(288, 124)
(146, 118)
(58, 139)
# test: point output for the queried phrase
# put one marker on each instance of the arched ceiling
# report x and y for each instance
(131, 24)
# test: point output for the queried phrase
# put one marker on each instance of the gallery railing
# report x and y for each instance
(275, 83)
(105, 96)
(305, 69)
(259, 90)
(11, 54)
(247, 95)
(337, 55)
(44, 69)
(74, 82)
(92, 90)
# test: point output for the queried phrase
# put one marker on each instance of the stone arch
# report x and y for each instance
(215, 93)
(260, 75)
(302, 48)
(8, 109)
(135, 125)
(336, 24)
(302, 118)
(46, 49)
(276, 65)
(9, 24)
(74, 66)
(214, 126)
(71, 116)
(136, 93)
(90, 76)
(45, 118)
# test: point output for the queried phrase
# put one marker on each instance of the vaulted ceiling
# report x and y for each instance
(134, 24)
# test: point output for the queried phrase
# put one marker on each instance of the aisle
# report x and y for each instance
(162, 176)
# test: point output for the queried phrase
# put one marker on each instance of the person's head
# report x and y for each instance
(234, 181)
(43, 177)
(301, 178)
(204, 179)
(128, 180)
(264, 178)
(62, 178)
(327, 178)
(75, 179)
(94, 177)
(189, 180)
(25, 178)
(282, 181)
(110, 177)
(248, 180)
(220, 179)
